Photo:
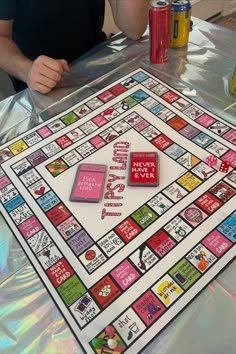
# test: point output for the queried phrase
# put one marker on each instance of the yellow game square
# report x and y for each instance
(18, 147)
(189, 181)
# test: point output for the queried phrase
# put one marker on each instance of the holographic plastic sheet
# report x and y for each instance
(29, 320)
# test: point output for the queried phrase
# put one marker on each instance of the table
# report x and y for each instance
(30, 321)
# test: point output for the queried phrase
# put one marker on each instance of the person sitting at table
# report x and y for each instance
(39, 38)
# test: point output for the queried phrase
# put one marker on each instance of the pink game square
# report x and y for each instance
(44, 132)
(125, 274)
(205, 120)
(217, 243)
(193, 215)
(230, 157)
(106, 96)
(97, 142)
(30, 227)
(99, 120)
(231, 136)
(149, 308)
(170, 96)
(4, 181)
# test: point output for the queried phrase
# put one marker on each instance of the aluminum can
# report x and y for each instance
(233, 83)
(180, 23)
(159, 28)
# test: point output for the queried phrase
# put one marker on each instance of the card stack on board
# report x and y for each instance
(143, 169)
(89, 183)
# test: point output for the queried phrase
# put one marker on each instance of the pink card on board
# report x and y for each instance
(89, 183)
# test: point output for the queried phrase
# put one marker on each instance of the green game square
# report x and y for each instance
(130, 101)
(71, 290)
(185, 271)
(70, 118)
(144, 216)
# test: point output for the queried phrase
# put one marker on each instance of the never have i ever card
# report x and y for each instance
(143, 169)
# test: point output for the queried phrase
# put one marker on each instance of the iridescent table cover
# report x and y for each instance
(30, 322)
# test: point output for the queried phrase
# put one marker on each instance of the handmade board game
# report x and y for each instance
(123, 265)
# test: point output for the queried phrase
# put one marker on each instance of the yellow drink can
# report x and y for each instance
(180, 23)
(233, 83)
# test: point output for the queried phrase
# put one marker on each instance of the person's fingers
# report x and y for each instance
(46, 81)
(37, 86)
(52, 64)
(49, 73)
(65, 65)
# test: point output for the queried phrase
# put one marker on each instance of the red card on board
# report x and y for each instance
(143, 169)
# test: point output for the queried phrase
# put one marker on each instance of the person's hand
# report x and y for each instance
(45, 73)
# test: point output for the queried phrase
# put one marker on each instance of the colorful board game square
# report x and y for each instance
(160, 203)
(167, 290)
(118, 89)
(85, 309)
(193, 215)
(44, 132)
(106, 96)
(18, 147)
(71, 290)
(30, 227)
(4, 181)
(69, 228)
(149, 308)
(39, 188)
(129, 326)
(110, 243)
(37, 157)
(99, 120)
(162, 142)
(60, 272)
(104, 348)
(177, 123)
(170, 96)
(140, 76)
(189, 131)
(80, 241)
(139, 95)
(178, 228)
(231, 136)
(201, 258)
(92, 258)
(57, 167)
(69, 118)
(230, 157)
(5, 155)
(160, 89)
(105, 291)
(203, 170)
(14, 203)
(208, 203)
(97, 142)
(48, 201)
(49, 256)
(223, 191)
(189, 181)
(188, 160)
(161, 243)
(203, 140)
(175, 151)
(228, 229)
(144, 216)
(64, 142)
(128, 229)
(143, 258)
(205, 120)
(217, 243)
(58, 214)
(125, 274)
(21, 213)
(184, 273)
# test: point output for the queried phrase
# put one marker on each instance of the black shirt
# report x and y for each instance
(61, 29)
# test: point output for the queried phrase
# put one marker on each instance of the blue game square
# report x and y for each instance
(157, 108)
(139, 95)
(14, 203)
(228, 229)
(203, 140)
(175, 151)
(140, 76)
(48, 201)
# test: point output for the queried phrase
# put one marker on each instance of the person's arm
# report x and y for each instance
(41, 75)
(130, 16)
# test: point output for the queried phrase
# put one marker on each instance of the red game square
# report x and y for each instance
(106, 96)
(58, 214)
(128, 229)
(170, 96)
(60, 272)
(223, 191)
(99, 120)
(118, 89)
(161, 243)
(97, 142)
(208, 203)
(162, 142)
(105, 291)
(177, 123)
(64, 141)
(149, 308)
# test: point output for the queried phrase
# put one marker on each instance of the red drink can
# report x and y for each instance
(159, 31)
